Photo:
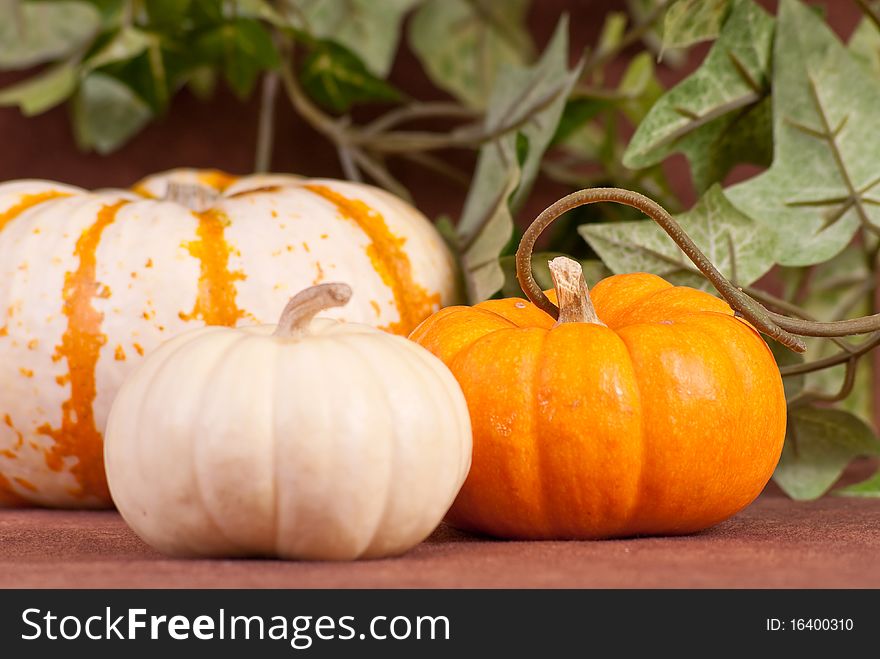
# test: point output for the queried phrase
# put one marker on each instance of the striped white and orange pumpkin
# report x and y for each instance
(91, 281)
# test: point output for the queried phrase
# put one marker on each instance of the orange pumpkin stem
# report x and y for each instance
(572, 292)
(198, 198)
(306, 304)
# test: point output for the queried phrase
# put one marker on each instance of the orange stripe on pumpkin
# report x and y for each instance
(142, 190)
(80, 346)
(216, 300)
(28, 201)
(390, 261)
(216, 179)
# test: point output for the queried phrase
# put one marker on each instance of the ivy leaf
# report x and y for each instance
(127, 43)
(462, 44)
(146, 73)
(612, 32)
(742, 137)
(367, 28)
(866, 488)
(865, 44)
(336, 78)
(819, 445)
(691, 21)
(245, 48)
(838, 288)
(578, 111)
(709, 114)
(167, 13)
(32, 33)
(107, 113)
(738, 246)
(825, 175)
(639, 88)
(42, 91)
(202, 81)
(530, 101)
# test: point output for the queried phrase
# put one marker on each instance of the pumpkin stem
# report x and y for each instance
(572, 292)
(198, 198)
(306, 304)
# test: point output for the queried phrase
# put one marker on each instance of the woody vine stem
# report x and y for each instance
(784, 329)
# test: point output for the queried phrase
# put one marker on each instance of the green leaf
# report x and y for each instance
(738, 246)
(36, 32)
(462, 44)
(708, 115)
(819, 445)
(866, 488)
(167, 13)
(127, 43)
(244, 48)
(612, 31)
(42, 91)
(336, 78)
(838, 288)
(107, 113)
(865, 44)
(639, 88)
(369, 29)
(530, 101)
(824, 179)
(691, 21)
(202, 81)
(577, 112)
(742, 137)
(112, 12)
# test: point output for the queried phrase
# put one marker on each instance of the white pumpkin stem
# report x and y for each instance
(572, 292)
(306, 304)
(198, 198)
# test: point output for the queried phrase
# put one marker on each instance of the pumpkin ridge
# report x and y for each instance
(27, 201)
(390, 261)
(367, 365)
(545, 481)
(80, 346)
(216, 298)
(631, 524)
(195, 447)
(513, 324)
(655, 297)
(737, 445)
(276, 462)
(477, 521)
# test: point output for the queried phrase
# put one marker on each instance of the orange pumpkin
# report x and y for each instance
(652, 410)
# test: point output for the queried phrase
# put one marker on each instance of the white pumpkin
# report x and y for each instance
(92, 281)
(318, 439)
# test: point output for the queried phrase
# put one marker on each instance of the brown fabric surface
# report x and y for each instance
(833, 542)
